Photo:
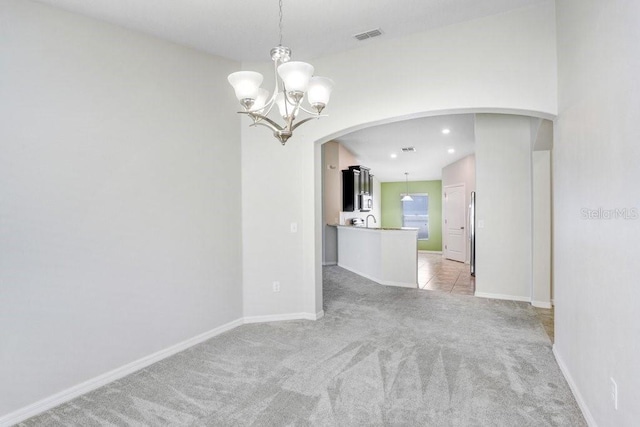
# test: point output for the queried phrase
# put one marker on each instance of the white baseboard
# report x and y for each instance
(281, 317)
(101, 380)
(541, 304)
(574, 388)
(399, 284)
(329, 263)
(502, 296)
(382, 282)
(96, 382)
(430, 252)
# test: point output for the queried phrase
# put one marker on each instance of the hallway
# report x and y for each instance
(436, 273)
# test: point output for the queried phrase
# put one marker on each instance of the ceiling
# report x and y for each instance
(374, 146)
(245, 30)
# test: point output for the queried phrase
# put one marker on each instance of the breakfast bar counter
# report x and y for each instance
(388, 256)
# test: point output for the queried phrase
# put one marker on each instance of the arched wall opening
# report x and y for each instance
(520, 132)
(499, 64)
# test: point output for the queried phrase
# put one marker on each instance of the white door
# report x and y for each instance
(455, 212)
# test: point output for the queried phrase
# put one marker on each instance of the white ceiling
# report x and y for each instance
(245, 30)
(373, 146)
(248, 29)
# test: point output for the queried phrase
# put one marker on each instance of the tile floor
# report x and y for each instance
(436, 273)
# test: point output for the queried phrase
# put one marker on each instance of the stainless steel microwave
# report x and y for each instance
(366, 202)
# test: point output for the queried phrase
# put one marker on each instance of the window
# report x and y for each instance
(415, 214)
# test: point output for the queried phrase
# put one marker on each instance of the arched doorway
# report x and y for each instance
(519, 125)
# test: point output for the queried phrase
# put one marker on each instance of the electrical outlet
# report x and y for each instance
(614, 393)
(276, 286)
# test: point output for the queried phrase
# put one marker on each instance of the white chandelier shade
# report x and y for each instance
(295, 75)
(246, 84)
(319, 92)
(285, 107)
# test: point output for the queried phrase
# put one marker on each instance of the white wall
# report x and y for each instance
(332, 201)
(503, 62)
(541, 218)
(332, 182)
(595, 165)
(462, 171)
(120, 207)
(503, 206)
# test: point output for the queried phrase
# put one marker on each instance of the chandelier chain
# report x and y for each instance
(280, 24)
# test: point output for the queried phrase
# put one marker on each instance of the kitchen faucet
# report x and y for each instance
(374, 220)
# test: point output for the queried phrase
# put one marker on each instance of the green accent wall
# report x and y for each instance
(391, 214)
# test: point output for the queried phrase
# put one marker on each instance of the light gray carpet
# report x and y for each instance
(380, 356)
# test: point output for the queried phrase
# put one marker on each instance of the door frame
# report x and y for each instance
(465, 233)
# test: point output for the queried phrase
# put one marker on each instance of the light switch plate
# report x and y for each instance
(294, 227)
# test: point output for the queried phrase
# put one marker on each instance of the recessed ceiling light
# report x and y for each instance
(394, 155)
(451, 151)
(446, 131)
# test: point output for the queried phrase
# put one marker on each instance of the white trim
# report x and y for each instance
(429, 252)
(108, 377)
(329, 263)
(398, 284)
(541, 304)
(502, 296)
(574, 388)
(381, 282)
(281, 317)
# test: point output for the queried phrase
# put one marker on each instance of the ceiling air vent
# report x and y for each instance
(369, 34)
(409, 149)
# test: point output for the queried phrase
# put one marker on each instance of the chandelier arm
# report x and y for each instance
(276, 64)
(267, 125)
(301, 122)
(286, 102)
(311, 112)
(266, 113)
(289, 120)
(294, 114)
(268, 104)
(270, 123)
(276, 88)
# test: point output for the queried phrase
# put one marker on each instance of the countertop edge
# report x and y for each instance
(374, 228)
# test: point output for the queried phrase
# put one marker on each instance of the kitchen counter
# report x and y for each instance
(388, 256)
(375, 228)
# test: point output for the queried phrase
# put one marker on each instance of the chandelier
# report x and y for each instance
(293, 80)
